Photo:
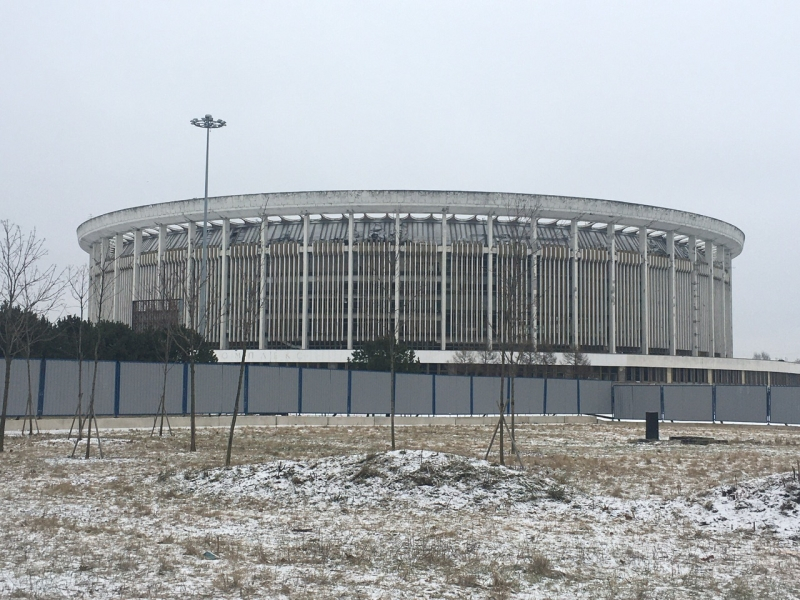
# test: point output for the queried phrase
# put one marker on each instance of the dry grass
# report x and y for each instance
(153, 535)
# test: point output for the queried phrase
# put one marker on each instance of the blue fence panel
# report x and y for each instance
(452, 395)
(414, 394)
(61, 387)
(562, 396)
(273, 389)
(785, 405)
(691, 402)
(633, 401)
(324, 391)
(18, 390)
(742, 403)
(140, 388)
(528, 396)
(595, 397)
(370, 393)
(486, 395)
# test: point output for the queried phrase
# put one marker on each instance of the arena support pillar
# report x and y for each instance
(573, 269)
(728, 290)
(350, 236)
(535, 282)
(190, 297)
(444, 279)
(489, 280)
(223, 284)
(91, 298)
(162, 249)
(644, 293)
(695, 297)
(712, 332)
(673, 304)
(611, 240)
(304, 321)
(119, 243)
(723, 315)
(396, 276)
(137, 259)
(262, 292)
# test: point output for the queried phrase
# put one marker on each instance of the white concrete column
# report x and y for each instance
(304, 321)
(162, 248)
(190, 296)
(106, 286)
(611, 238)
(729, 305)
(396, 276)
(673, 301)
(489, 280)
(137, 259)
(535, 283)
(350, 232)
(695, 297)
(223, 284)
(119, 244)
(712, 337)
(723, 346)
(444, 279)
(262, 298)
(644, 293)
(91, 297)
(573, 269)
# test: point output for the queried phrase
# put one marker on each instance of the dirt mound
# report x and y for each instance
(771, 503)
(417, 477)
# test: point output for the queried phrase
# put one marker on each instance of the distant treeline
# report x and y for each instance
(117, 341)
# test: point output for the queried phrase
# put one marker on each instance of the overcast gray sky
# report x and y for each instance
(689, 105)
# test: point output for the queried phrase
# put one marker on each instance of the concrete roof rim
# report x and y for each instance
(286, 203)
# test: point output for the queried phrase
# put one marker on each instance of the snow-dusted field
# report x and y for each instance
(330, 513)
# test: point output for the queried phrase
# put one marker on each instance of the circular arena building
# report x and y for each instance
(305, 277)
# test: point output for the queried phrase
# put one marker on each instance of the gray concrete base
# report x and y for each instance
(58, 424)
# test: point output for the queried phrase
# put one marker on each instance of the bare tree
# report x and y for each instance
(514, 327)
(40, 299)
(576, 362)
(22, 279)
(251, 309)
(100, 285)
(78, 286)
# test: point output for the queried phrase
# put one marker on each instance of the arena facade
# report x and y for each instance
(306, 277)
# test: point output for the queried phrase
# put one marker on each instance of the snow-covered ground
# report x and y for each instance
(330, 513)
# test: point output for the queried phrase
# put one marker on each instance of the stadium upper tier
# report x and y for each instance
(442, 270)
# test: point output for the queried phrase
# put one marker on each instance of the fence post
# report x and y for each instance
(613, 400)
(117, 369)
(433, 394)
(349, 390)
(246, 388)
(661, 403)
(299, 390)
(40, 398)
(544, 399)
(578, 384)
(714, 403)
(769, 404)
(185, 391)
(471, 397)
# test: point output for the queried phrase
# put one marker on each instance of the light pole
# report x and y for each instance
(208, 123)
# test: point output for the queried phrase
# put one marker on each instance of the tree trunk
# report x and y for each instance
(502, 404)
(392, 383)
(6, 387)
(236, 406)
(192, 427)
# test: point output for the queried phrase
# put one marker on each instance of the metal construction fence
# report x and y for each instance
(133, 388)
